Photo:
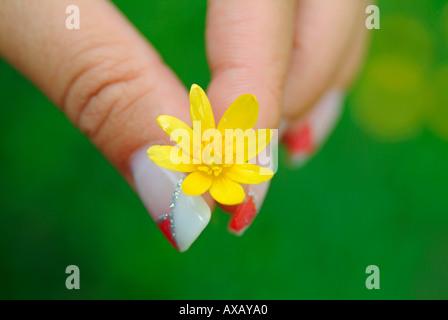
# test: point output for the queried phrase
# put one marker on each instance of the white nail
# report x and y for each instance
(252, 204)
(255, 193)
(282, 127)
(181, 218)
(315, 127)
(325, 115)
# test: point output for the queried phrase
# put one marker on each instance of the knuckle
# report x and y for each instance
(101, 94)
(231, 65)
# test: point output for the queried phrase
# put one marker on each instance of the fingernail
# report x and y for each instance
(180, 217)
(283, 127)
(244, 214)
(304, 138)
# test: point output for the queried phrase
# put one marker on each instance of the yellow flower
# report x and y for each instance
(220, 173)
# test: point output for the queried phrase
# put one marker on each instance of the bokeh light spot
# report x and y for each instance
(405, 36)
(392, 96)
(397, 73)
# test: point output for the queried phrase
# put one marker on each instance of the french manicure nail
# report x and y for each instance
(180, 217)
(283, 127)
(244, 214)
(305, 137)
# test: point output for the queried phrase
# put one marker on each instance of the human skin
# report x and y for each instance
(296, 56)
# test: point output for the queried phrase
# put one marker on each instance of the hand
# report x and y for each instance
(297, 57)
(112, 84)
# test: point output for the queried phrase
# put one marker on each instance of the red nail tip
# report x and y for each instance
(165, 226)
(300, 140)
(244, 215)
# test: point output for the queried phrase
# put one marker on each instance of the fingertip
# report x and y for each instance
(305, 136)
(244, 214)
(250, 55)
(181, 218)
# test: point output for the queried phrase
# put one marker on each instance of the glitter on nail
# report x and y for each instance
(161, 220)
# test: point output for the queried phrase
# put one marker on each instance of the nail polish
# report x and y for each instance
(180, 217)
(304, 138)
(244, 214)
(299, 141)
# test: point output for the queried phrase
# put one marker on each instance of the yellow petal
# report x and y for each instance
(178, 130)
(212, 151)
(200, 109)
(248, 173)
(245, 145)
(171, 158)
(242, 114)
(196, 183)
(263, 138)
(226, 191)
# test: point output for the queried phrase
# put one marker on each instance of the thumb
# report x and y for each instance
(111, 85)
(248, 45)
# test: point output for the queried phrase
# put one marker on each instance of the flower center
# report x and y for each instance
(211, 169)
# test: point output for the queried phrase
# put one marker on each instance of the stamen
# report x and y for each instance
(217, 170)
(205, 169)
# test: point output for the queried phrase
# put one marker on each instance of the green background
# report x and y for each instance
(376, 194)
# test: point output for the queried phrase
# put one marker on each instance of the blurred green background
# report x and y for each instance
(377, 193)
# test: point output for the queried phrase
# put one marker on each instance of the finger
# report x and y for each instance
(112, 85)
(305, 135)
(324, 30)
(354, 57)
(248, 46)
